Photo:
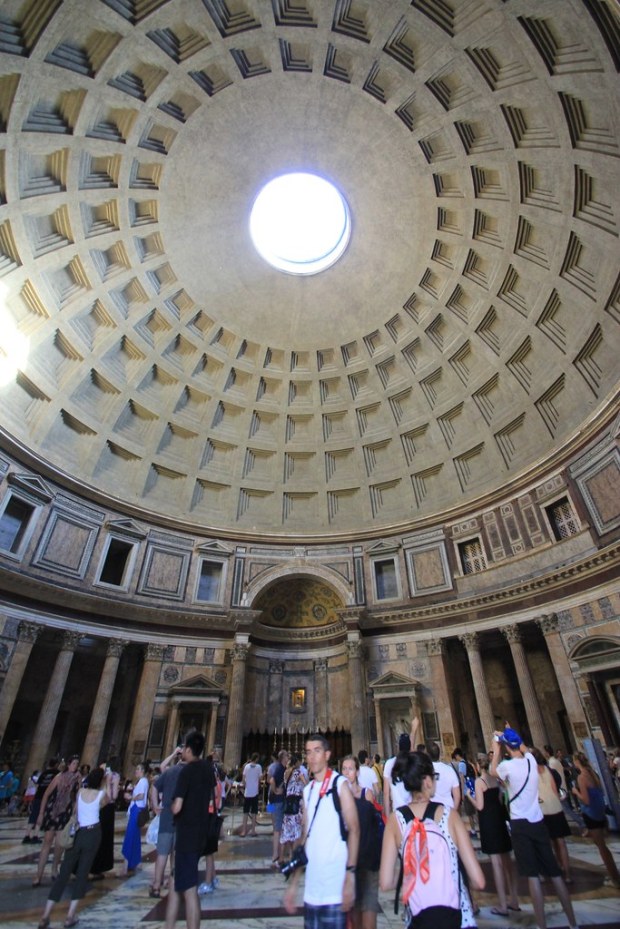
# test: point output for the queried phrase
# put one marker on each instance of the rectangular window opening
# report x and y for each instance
(472, 556)
(14, 523)
(562, 520)
(386, 582)
(210, 581)
(115, 563)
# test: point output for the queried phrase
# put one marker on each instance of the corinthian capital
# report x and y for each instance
(29, 632)
(240, 651)
(434, 647)
(512, 633)
(548, 623)
(116, 647)
(471, 641)
(70, 641)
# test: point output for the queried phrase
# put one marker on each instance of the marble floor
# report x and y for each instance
(250, 893)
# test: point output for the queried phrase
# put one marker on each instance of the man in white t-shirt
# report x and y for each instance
(252, 774)
(395, 793)
(367, 776)
(530, 838)
(447, 783)
(329, 890)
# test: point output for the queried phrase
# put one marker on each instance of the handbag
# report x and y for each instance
(66, 837)
(292, 804)
(152, 833)
(143, 816)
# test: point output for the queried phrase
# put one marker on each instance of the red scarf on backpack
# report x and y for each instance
(415, 859)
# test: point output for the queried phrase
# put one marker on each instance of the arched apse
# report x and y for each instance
(288, 598)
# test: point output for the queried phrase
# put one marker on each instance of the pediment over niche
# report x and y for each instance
(214, 547)
(198, 686)
(393, 683)
(33, 486)
(125, 527)
(383, 548)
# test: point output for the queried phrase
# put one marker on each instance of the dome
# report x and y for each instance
(467, 336)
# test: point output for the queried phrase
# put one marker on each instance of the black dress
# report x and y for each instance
(494, 837)
(104, 859)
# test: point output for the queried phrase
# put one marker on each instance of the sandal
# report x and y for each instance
(497, 912)
(44, 923)
(515, 909)
(37, 883)
(154, 892)
(71, 922)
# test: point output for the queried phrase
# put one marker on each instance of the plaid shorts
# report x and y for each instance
(331, 916)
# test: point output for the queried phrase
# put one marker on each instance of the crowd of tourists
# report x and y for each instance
(405, 825)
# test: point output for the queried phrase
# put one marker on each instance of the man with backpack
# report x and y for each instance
(330, 844)
(530, 838)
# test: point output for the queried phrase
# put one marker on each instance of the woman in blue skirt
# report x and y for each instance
(132, 843)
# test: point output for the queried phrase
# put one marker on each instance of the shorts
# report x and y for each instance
(165, 843)
(436, 917)
(593, 823)
(186, 871)
(250, 805)
(331, 916)
(532, 847)
(35, 809)
(367, 891)
(277, 815)
(557, 826)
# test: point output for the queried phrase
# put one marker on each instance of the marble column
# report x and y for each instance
(99, 716)
(441, 695)
(143, 709)
(471, 642)
(569, 691)
(359, 720)
(51, 703)
(212, 727)
(379, 720)
(320, 715)
(234, 728)
(535, 721)
(27, 635)
(275, 696)
(172, 726)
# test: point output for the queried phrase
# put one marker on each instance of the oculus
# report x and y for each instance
(300, 223)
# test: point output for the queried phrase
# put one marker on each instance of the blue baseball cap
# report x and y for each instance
(511, 738)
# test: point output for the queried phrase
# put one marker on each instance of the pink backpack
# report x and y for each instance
(427, 862)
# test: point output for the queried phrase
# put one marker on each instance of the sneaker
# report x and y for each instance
(26, 840)
(205, 889)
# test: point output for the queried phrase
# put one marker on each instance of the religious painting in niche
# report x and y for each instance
(298, 698)
(299, 602)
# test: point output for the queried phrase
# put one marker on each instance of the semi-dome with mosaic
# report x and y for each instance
(468, 335)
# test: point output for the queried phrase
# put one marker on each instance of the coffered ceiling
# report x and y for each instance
(466, 338)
